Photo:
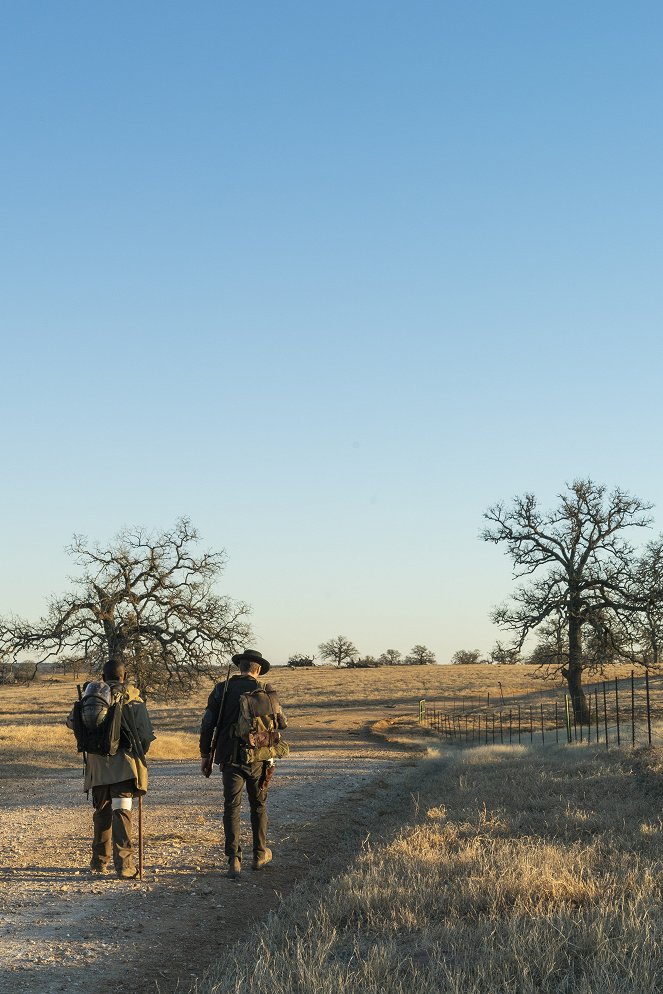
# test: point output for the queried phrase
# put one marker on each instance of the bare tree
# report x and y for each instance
(578, 566)
(148, 600)
(504, 655)
(391, 657)
(339, 650)
(420, 655)
(646, 627)
(466, 657)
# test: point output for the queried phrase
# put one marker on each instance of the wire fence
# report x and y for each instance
(619, 712)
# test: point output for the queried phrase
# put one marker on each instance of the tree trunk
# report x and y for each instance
(574, 672)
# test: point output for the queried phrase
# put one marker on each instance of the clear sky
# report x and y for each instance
(329, 279)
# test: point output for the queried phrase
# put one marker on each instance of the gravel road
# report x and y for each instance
(63, 930)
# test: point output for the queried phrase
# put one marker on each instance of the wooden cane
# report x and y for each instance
(140, 836)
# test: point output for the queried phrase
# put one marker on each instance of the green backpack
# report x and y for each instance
(258, 728)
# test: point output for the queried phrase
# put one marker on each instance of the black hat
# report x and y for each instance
(252, 656)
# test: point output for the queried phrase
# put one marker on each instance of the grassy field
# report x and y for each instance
(516, 871)
(32, 730)
(488, 870)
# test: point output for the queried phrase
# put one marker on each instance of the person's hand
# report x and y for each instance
(205, 765)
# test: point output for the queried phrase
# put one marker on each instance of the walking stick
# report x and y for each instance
(140, 836)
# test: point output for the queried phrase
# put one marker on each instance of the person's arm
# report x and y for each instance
(143, 725)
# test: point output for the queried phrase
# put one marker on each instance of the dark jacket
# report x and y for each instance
(225, 751)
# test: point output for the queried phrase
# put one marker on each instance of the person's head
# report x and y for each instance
(251, 662)
(248, 668)
(114, 669)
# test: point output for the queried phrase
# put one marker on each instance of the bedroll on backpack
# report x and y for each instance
(258, 727)
(97, 719)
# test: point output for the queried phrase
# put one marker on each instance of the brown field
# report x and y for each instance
(28, 714)
(472, 871)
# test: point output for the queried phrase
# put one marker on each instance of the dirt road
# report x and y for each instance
(63, 930)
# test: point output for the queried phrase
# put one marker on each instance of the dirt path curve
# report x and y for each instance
(63, 930)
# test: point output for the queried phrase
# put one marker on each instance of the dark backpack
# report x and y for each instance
(97, 719)
(258, 728)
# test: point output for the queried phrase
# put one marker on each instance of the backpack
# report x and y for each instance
(97, 718)
(258, 728)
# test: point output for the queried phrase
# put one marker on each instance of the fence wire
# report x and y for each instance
(620, 712)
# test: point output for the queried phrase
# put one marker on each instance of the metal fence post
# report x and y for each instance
(619, 738)
(542, 738)
(605, 715)
(632, 710)
(567, 713)
(648, 706)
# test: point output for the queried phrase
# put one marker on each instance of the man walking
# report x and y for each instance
(243, 763)
(116, 779)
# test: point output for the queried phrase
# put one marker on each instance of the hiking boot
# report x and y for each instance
(128, 873)
(234, 867)
(262, 859)
(99, 869)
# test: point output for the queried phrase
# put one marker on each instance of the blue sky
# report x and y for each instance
(329, 280)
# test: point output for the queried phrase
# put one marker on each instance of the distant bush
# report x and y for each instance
(368, 662)
(301, 661)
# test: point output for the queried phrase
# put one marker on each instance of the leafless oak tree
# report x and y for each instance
(420, 655)
(391, 657)
(466, 657)
(146, 599)
(339, 650)
(579, 570)
(645, 628)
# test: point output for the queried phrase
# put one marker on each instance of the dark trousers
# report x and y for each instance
(112, 828)
(234, 778)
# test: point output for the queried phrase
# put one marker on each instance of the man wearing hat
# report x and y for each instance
(225, 698)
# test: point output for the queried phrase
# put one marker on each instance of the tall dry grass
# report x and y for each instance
(519, 871)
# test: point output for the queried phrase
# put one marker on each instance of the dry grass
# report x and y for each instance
(498, 869)
(346, 700)
(523, 871)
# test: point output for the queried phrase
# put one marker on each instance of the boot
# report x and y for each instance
(234, 867)
(262, 859)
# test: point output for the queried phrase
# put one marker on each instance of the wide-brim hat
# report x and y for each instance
(252, 656)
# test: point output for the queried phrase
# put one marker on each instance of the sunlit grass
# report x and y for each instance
(499, 885)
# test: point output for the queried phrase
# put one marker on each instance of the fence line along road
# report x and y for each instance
(626, 712)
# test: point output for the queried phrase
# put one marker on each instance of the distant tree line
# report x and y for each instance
(341, 651)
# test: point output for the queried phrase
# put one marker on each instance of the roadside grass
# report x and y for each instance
(520, 870)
